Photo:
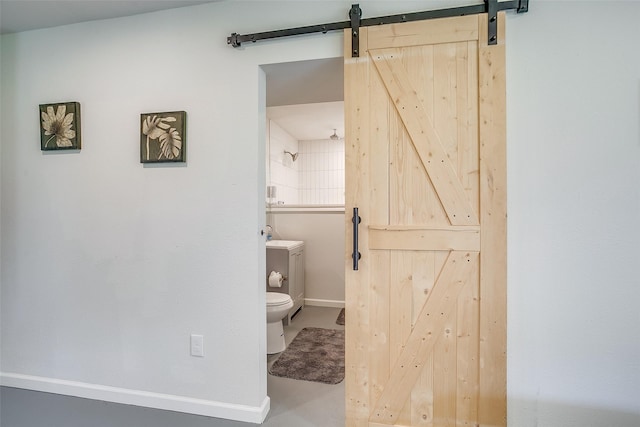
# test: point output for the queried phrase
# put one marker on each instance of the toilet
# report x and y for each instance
(278, 305)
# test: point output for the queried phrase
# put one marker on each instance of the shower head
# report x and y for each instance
(294, 156)
(335, 136)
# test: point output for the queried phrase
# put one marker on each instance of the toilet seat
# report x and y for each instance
(277, 299)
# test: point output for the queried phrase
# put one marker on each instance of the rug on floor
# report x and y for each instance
(340, 319)
(315, 354)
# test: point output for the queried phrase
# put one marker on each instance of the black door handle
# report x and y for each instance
(355, 255)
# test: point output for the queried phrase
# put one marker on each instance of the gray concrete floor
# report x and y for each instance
(293, 403)
(304, 403)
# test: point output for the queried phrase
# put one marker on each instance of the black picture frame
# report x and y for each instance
(60, 126)
(162, 137)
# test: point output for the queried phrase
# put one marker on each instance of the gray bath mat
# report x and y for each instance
(315, 354)
(340, 319)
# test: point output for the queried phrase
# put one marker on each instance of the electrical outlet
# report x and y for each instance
(197, 345)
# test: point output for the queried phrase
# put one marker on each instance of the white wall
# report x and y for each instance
(108, 266)
(573, 97)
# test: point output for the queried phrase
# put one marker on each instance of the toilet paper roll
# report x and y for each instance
(275, 279)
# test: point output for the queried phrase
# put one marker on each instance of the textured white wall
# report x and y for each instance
(109, 266)
(573, 94)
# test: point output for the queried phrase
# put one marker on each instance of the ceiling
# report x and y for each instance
(305, 97)
(24, 15)
(307, 122)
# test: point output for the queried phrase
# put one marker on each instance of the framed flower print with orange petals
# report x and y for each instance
(60, 126)
(162, 137)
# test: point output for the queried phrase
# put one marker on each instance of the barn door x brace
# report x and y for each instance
(490, 7)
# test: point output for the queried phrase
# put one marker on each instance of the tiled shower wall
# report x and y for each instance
(282, 171)
(315, 178)
(321, 172)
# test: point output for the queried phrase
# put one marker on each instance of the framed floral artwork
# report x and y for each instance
(60, 126)
(162, 137)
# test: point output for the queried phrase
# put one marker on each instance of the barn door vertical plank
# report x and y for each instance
(493, 196)
(357, 355)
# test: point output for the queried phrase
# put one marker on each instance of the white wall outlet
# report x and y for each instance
(197, 345)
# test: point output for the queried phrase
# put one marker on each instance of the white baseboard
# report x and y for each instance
(208, 408)
(324, 303)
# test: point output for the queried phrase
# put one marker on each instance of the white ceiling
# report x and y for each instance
(24, 15)
(305, 98)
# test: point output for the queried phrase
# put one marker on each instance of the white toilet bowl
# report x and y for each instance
(278, 305)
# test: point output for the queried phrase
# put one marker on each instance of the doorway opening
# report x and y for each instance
(304, 201)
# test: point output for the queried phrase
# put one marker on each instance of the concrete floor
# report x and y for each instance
(304, 403)
(293, 403)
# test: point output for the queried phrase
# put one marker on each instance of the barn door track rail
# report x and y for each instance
(490, 7)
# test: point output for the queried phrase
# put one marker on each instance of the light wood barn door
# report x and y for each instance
(426, 166)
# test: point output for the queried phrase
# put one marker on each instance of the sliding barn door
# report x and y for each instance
(425, 152)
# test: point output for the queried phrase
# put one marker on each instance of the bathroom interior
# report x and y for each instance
(304, 209)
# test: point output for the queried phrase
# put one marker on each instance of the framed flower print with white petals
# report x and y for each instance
(60, 126)
(162, 137)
